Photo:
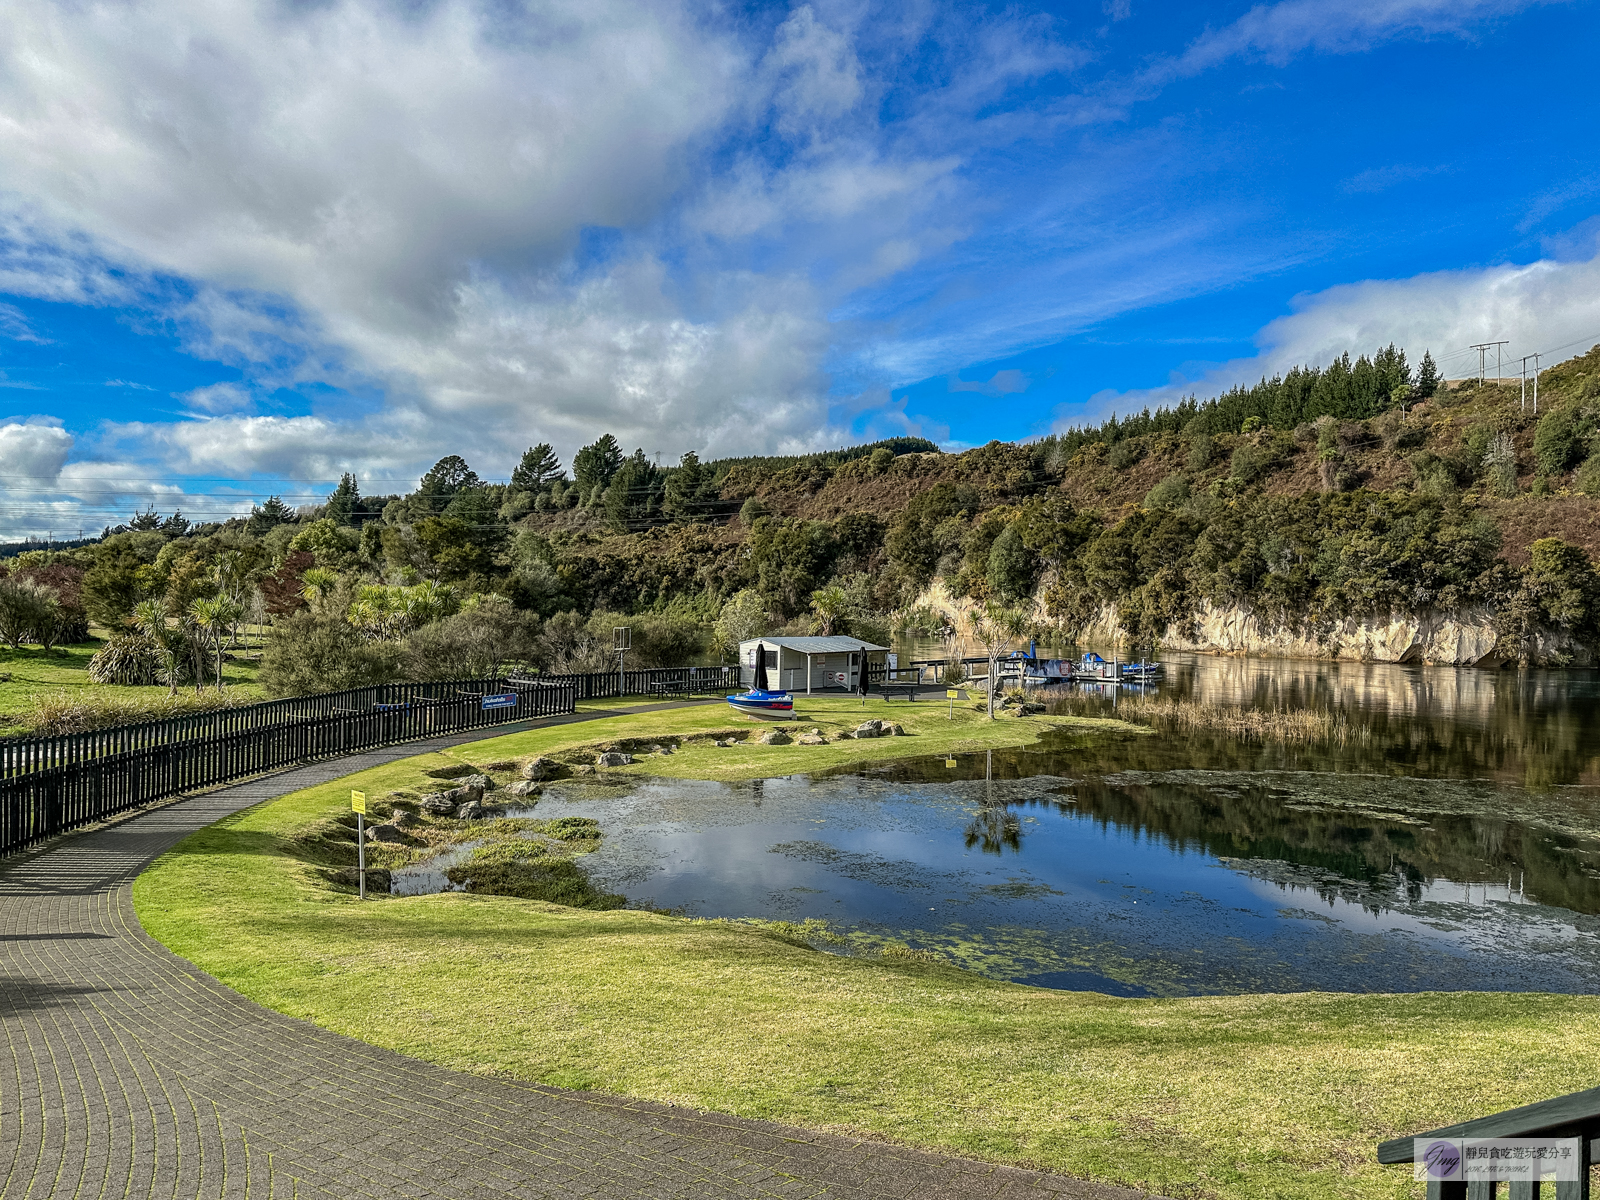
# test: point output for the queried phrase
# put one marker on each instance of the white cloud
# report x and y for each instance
(14, 325)
(32, 451)
(1545, 307)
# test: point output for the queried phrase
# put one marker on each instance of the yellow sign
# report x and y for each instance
(358, 802)
(953, 694)
(949, 762)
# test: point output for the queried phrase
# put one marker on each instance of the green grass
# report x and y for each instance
(66, 669)
(1241, 1096)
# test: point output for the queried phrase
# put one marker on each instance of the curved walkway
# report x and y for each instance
(127, 1072)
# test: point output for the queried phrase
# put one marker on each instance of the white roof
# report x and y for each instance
(814, 645)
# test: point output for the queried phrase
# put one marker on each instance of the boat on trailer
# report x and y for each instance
(776, 706)
(760, 701)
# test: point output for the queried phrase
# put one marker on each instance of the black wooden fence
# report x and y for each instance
(666, 680)
(52, 784)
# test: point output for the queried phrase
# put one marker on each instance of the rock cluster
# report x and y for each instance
(613, 758)
(775, 737)
(875, 729)
(542, 768)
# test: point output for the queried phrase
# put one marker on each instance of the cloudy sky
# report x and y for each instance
(245, 246)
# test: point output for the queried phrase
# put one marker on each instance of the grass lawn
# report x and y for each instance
(1247, 1096)
(66, 669)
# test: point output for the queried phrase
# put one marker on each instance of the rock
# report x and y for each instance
(403, 817)
(391, 834)
(478, 783)
(542, 768)
(811, 739)
(775, 737)
(894, 729)
(470, 811)
(461, 795)
(526, 788)
(870, 729)
(438, 802)
(586, 769)
(613, 758)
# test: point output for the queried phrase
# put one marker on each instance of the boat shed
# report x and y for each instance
(811, 664)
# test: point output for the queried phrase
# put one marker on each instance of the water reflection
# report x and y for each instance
(1129, 881)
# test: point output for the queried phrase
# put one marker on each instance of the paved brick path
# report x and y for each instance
(126, 1072)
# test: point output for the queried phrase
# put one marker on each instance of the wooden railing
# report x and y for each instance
(49, 785)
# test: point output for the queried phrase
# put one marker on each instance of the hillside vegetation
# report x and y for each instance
(1354, 492)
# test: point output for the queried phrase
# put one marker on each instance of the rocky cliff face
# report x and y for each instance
(1465, 638)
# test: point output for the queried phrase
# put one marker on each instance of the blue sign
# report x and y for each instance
(503, 700)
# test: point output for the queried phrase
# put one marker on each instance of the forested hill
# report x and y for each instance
(1351, 490)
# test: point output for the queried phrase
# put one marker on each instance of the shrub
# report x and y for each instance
(1169, 493)
(126, 658)
(28, 612)
(1587, 480)
(473, 644)
(751, 511)
(83, 709)
(310, 654)
(1125, 453)
(1555, 441)
(1201, 449)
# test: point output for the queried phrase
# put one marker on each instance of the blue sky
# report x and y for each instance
(246, 246)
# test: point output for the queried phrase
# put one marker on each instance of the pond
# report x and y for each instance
(1454, 845)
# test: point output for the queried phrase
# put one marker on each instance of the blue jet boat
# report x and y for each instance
(760, 701)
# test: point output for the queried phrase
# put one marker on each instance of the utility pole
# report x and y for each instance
(1482, 348)
(1536, 358)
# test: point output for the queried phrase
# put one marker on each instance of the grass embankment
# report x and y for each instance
(50, 691)
(1246, 1096)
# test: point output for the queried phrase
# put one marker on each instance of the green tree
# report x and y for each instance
(829, 604)
(539, 466)
(1427, 376)
(743, 617)
(112, 586)
(1555, 441)
(344, 502)
(311, 653)
(443, 480)
(27, 611)
(1012, 569)
(267, 516)
(214, 617)
(596, 464)
(634, 493)
(686, 488)
(457, 549)
(994, 628)
(146, 520)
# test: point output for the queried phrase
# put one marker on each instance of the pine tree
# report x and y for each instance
(342, 503)
(268, 516)
(538, 467)
(1427, 376)
(686, 487)
(177, 524)
(145, 520)
(596, 463)
(444, 479)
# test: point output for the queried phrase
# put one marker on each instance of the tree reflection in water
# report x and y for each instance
(995, 829)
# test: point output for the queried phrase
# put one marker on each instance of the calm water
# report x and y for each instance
(1453, 843)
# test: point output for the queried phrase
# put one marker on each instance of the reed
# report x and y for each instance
(66, 711)
(1247, 724)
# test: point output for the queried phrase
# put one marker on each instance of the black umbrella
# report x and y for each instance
(761, 668)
